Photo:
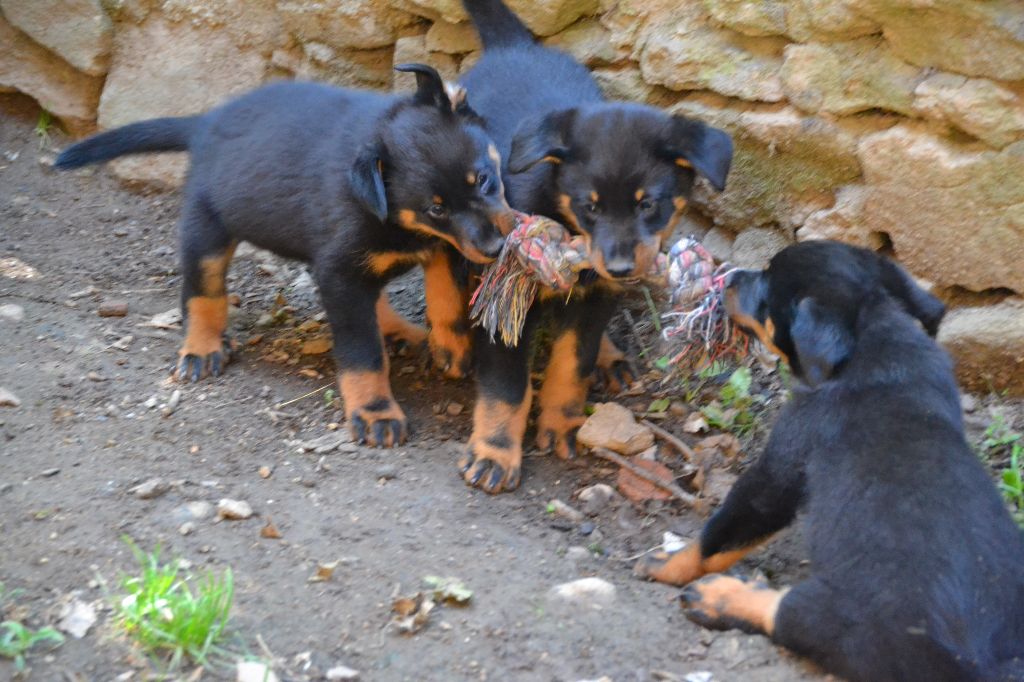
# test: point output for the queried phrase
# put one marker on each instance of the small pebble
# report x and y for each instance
(341, 672)
(577, 554)
(113, 308)
(968, 402)
(50, 472)
(559, 508)
(595, 498)
(454, 409)
(265, 472)
(172, 403)
(387, 471)
(8, 399)
(151, 489)
(187, 528)
(585, 592)
(233, 510)
(587, 527)
(12, 312)
(95, 376)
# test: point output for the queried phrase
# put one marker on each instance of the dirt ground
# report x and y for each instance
(84, 435)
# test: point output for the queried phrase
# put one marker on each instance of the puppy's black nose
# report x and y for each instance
(619, 268)
(491, 247)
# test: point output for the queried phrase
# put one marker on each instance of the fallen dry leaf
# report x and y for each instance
(695, 423)
(317, 346)
(637, 489)
(324, 572)
(270, 531)
(311, 373)
(726, 443)
(451, 590)
(411, 613)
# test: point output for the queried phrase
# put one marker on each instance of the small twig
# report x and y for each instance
(652, 308)
(683, 449)
(677, 492)
(303, 397)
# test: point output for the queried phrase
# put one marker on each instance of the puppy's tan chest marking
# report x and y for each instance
(382, 262)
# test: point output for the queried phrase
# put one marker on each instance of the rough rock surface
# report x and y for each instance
(77, 30)
(166, 69)
(68, 94)
(988, 344)
(948, 208)
(985, 109)
(845, 78)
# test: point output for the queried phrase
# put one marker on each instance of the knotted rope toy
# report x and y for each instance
(541, 252)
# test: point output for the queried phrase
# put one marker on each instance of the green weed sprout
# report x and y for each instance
(166, 612)
(16, 639)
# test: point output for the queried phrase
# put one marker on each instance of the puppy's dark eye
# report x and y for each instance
(437, 212)
(485, 183)
(647, 206)
(591, 208)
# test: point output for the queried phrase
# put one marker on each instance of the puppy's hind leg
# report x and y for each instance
(206, 251)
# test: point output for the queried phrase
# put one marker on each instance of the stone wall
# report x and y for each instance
(897, 124)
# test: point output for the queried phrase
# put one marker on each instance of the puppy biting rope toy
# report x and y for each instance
(541, 252)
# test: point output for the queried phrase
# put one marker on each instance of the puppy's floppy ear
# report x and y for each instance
(822, 340)
(430, 88)
(367, 181)
(915, 300)
(708, 150)
(542, 138)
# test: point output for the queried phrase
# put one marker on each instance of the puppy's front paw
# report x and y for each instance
(673, 568)
(493, 466)
(380, 422)
(722, 602)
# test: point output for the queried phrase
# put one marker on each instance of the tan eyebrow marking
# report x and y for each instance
(593, 196)
(683, 163)
(438, 199)
(639, 194)
(471, 178)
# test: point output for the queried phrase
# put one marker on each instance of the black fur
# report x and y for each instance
(918, 569)
(562, 142)
(332, 177)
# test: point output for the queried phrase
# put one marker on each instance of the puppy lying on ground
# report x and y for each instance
(617, 174)
(360, 185)
(918, 570)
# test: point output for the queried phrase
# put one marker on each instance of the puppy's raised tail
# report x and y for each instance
(155, 135)
(497, 25)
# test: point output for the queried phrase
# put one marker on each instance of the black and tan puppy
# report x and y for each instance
(917, 568)
(360, 185)
(619, 175)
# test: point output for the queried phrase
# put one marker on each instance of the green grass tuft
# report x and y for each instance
(167, 612)
(1011, 483)
(16, 639)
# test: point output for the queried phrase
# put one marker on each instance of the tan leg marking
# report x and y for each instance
(494, 458)
(448, 317)
(687, 564)
(394, 326)
(561, 398)
(207, 315)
